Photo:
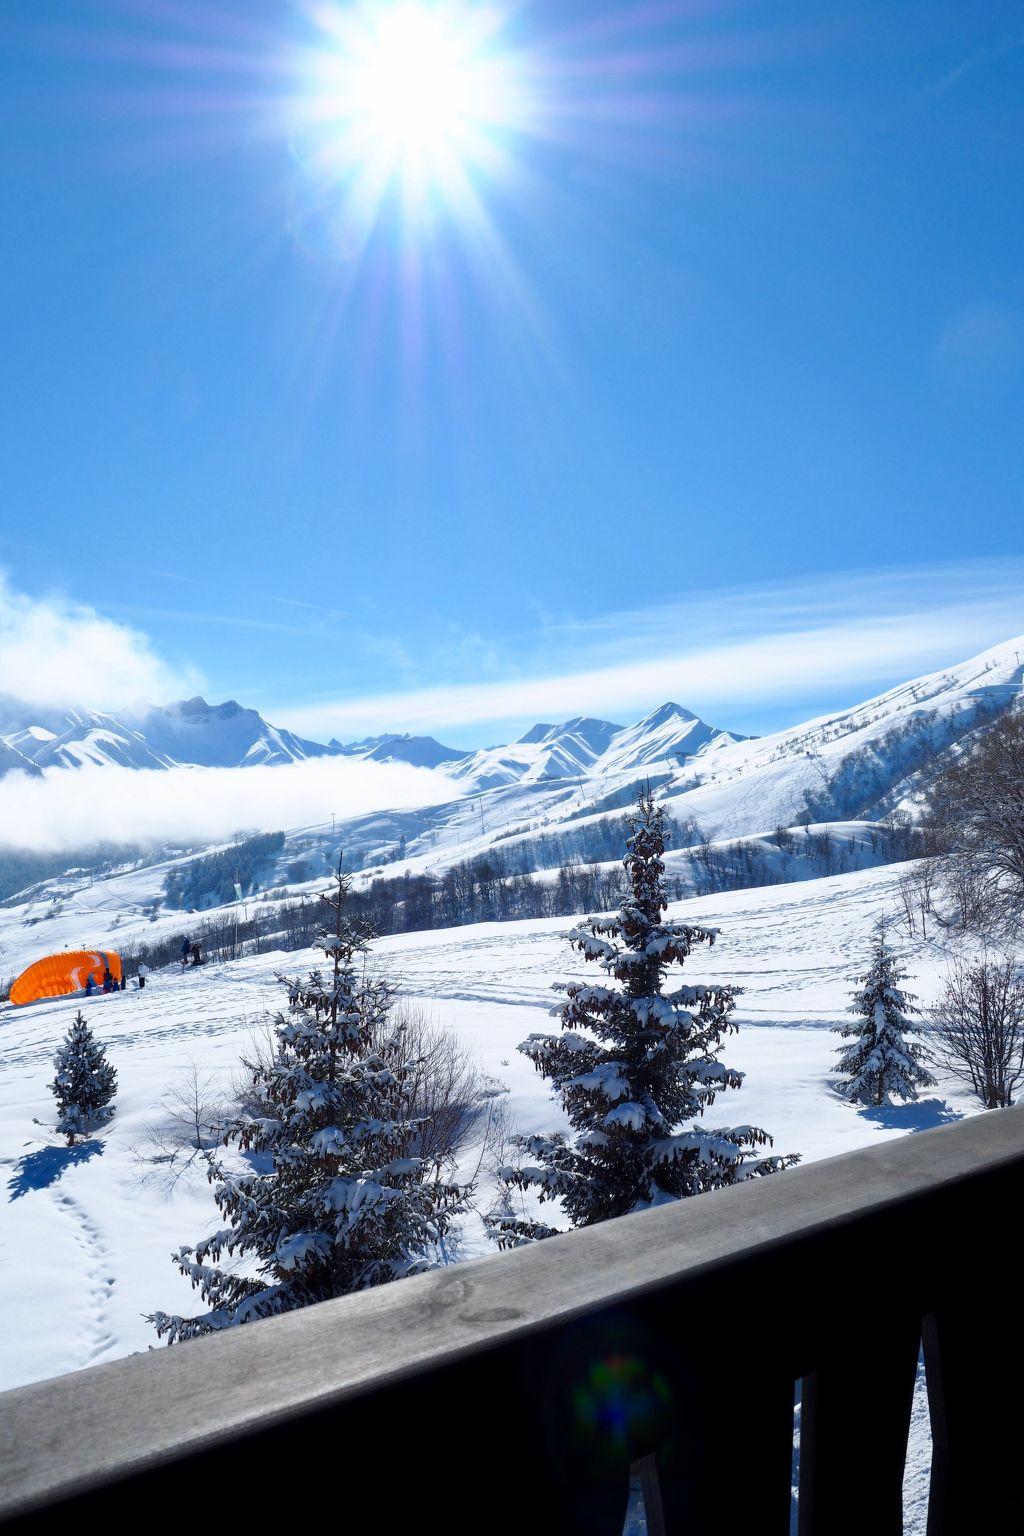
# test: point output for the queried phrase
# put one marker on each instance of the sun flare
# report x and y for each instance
(409, 92)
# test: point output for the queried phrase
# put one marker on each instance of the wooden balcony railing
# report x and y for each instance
(515, 1394)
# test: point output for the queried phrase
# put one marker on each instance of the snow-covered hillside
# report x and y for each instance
(99, 1227)
(852, 765)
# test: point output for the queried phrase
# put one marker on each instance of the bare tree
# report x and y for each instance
(975, 822)
(976, 1030)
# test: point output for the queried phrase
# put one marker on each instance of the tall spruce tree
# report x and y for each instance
(635, 1066)
(85, 1082)
(881, 1062)
(344, 1205)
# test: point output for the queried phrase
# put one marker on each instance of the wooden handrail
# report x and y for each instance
(736, 1295)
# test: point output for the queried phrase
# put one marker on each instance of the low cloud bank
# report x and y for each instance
(69, 808)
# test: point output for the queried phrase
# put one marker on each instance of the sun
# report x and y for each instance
(416, 89)
(409, 92)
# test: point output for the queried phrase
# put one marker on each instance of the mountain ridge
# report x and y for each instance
(194, 733)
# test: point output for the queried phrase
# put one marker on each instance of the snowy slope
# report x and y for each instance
(88, 1237)
(30, 740)
(13, 759)
(97, 739)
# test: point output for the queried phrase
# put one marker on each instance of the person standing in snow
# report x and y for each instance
(90, 985)
(185, 946)
(108, 980)
(143, 972)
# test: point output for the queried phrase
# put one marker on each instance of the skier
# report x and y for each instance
(185, 947)
(143, 973)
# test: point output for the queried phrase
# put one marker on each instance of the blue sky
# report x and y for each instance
(729, 332)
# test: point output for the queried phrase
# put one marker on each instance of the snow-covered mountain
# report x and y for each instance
(93, 738)
(541, 799)
(189, 732)
(12, 759)
(195, 733)
(584, 747)
(221, 736)
(419, 751)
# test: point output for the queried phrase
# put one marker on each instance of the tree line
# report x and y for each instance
(211, 880)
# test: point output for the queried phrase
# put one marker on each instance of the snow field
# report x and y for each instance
(87, 1233)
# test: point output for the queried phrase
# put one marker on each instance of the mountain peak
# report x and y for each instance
(666, 712)
(536, 733)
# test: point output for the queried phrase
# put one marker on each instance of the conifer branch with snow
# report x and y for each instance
(636, 1066)
(881, 1063)
(345, 1203)
(85, 1082)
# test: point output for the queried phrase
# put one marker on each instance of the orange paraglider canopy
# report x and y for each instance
(65, 975)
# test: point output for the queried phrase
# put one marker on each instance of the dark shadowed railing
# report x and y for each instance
(517, 1393)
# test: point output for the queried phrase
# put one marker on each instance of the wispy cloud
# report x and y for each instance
(65, 809)
(55, 652)
(755, 647)
(967, 66)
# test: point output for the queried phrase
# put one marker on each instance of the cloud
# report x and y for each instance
(981, 346)
(69, 808)
(58, 653)
(763, 646)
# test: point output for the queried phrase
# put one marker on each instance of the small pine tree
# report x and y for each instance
(634, 1064)
(345, 1205)
(85, 1082)
(881, 1062)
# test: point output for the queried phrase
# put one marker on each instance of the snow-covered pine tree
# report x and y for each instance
(881, 1062)
(344, 1204)
(635, 1065)
(85, 1082)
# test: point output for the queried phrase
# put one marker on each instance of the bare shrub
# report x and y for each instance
(191, 1124)
(448, 1088)
(449, 1093)
(976, 1030)
(916, 891)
